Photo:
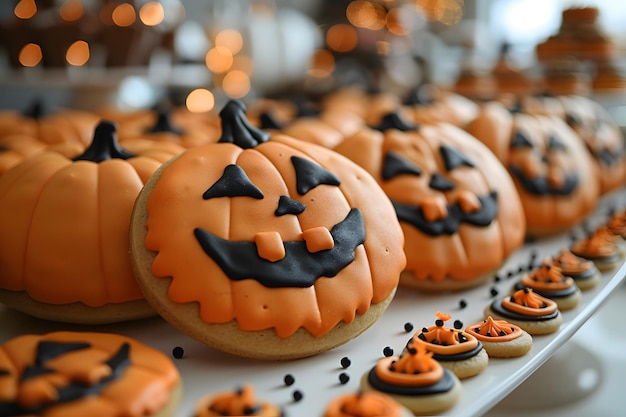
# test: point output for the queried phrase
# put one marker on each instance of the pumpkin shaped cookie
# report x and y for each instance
(458, 208)
(87, 374)
(272, 248)
(553, 172)
(64, 231)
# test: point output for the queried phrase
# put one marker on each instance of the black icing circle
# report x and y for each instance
(566, 292)
(497, 308)
(459, 356)
(445, 384)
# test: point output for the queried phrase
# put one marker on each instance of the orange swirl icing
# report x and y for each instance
(364, 404)
(572, 264)
(601, 243)
(617, 224)
(241, 402)
(414, 368)
(528, 303)
(547, 278)
(444, 340)
(491, 330)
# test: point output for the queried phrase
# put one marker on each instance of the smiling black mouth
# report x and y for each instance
(450, 224)
(299, 268)
(541, 186)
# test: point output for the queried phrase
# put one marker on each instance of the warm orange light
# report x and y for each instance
(447, 12)
(230, 39)
(364, 14)
(341, 38)
(77, 54)
(236, 84)
(71, 10)
(25, 9)
(322, 64)
(124, 15)
(151, 13)
(243, 63)
(200, 100)
(395, 23)
(30, 55)
(219, 59)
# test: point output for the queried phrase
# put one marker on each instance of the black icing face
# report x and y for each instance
(75, 388)
(526, 153)
(395, 165)
(298, 267)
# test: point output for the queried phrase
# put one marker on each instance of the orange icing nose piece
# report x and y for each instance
(269, 246)
(434, 209)
(318, 239)
(468, 201)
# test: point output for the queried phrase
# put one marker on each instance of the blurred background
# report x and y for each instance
(132, 53)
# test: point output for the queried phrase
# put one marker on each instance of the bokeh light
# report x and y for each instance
(364, 14)
(219, 59)
(71, 10)
(322, 64)
(341, 38)
(230, 39)
(236, 84)
(30, 55)
(77, 54)
(25, 9)
(151, 13)
(124, 15)
(200, 100)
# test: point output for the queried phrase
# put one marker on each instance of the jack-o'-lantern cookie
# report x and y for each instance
(601, 246)
(458, 208)
(583, 271)
(86, 374)
(415, 380)
(64, 221)
(271, 248)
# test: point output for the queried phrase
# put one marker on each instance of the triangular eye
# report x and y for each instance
(520, 140)
(47, 350)
(233, 183)
(309, 175)
(394, 165)
(287, 205)
(440, 183)
(453, 158)
(554, 143)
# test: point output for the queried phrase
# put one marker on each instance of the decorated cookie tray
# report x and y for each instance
(316, 380)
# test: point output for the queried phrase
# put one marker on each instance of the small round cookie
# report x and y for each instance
(415, 380)
(88, 374)
(500, 338)
(266, 246)
(454, 349)
(548, 281)
(601, 247)
(365, 404)
(240, 402)
(529, 311)
(584, 272)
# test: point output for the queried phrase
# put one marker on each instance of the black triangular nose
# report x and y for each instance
(440, 183)
(287, 205)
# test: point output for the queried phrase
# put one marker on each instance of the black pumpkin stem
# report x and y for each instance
(104, 145)
(237, 129)
(394, 121)
(35, 110)
(421, 95)
(164, 124)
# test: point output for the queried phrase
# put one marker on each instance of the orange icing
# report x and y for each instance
(547, 277)
(444, 340)
(415, 367)
(175, 209)
(602, 242)
(529, 303)
(617, 224)
(241, 402)
(141, 389)
(491, 330)
(364, 404)
(571, 264)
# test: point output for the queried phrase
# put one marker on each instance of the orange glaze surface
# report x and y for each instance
(241, 402)
(414, 367)
(547, 277)
(491, 330)
(444, 340)
(364, 404)
(142, 388)
(529, 303)
(176, 208)
(571, 264)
